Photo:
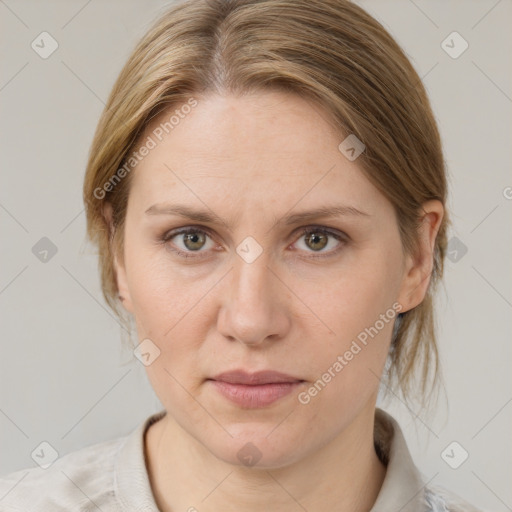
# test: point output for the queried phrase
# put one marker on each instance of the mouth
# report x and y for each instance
(254, 390)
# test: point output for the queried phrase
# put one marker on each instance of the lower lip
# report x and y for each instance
(255, 396)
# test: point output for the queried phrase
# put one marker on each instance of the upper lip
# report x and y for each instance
(255, 378)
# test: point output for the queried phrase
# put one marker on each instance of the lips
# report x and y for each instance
(257, 378)
(254, 390)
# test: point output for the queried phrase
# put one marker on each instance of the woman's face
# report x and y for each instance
(247, 290)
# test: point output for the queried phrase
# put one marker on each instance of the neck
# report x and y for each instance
(344, 475)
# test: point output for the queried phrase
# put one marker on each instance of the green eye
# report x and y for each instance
(194, 241)
(317, 239)
(188, 241)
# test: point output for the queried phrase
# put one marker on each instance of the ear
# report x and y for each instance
(118, 262)
(418, 267)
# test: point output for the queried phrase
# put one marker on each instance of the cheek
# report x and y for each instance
(359, 292)
(358, 307)
(161, 293)
(173, 309)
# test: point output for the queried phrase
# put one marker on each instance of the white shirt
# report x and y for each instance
(112, 476)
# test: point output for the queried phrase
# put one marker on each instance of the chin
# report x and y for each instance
(257, 446)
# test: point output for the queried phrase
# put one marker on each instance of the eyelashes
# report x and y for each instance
(190, 236)
(323, 233)
(191, 233)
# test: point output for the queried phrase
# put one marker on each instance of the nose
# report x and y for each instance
(255, 303)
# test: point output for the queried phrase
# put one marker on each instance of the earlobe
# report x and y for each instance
(419, 266)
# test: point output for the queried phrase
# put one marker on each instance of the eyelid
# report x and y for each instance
(334, 233)
(168, 235)
(302, 231)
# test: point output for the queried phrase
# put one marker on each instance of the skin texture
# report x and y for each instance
(253, 160)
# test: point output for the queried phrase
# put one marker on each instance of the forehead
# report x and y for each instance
(217, 126)
(269, 147)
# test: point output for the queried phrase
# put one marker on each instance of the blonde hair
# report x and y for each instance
(329, 51)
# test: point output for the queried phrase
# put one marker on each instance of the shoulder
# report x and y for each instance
(82, 480)
(405, 488)
(439, 499)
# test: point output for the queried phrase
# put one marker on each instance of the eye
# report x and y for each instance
(188, 240)
(317, 239)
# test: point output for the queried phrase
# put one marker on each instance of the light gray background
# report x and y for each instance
(64, 377)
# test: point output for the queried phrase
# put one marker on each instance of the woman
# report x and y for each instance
(267, 190)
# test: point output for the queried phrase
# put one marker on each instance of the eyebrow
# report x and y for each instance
(207, 216)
